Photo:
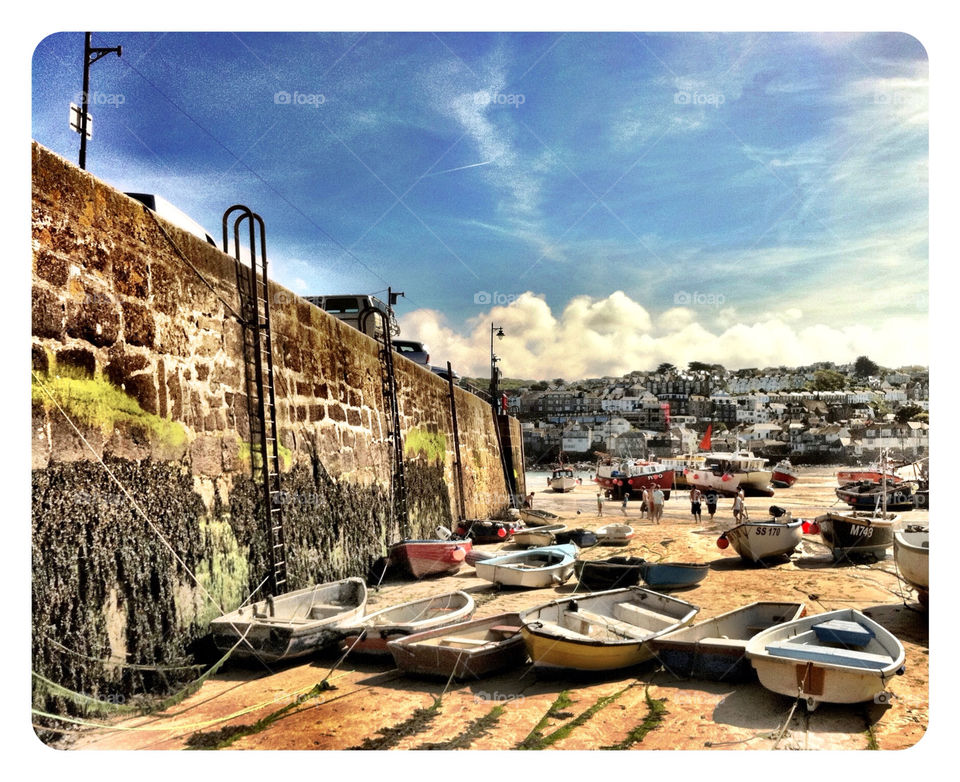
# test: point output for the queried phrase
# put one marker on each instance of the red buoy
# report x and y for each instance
(501, 533)
(722, 542)
(814, 528)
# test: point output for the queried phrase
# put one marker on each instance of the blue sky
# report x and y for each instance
(613, 199)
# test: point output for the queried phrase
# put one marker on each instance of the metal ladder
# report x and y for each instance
(261, 402)
(389, 390)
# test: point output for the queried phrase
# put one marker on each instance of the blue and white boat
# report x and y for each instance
(537, 567)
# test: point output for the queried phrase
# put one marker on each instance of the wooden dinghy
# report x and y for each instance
(857, 535)
(911, 552)
(538, 517)
(715, 649)
(293, 624)
(487, 530)
(421, 558)
(372, 633)
(755, 541)
(837, 657)
(465, 651)
(612, 573)
(538, 536)
(601, 631)
(533, 568)
(615, 535)
(673, 575)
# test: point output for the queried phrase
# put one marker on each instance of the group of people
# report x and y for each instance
(652, 503)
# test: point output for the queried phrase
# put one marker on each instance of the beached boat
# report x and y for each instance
(728, 472)
(538, 517)
(371, 633)
(421, 558)
(681, 465)
(874, 474)
(562, 480)
(615, 534)
(533, 568)
(837, 657)
(784, 475)
(911, 552)
(673, 575)
(582, 538)
(613, 573)
(482, 531)
(856, 535)
(538, 536)
(633, 476)
(715, 648)
(464, 651)
(601, 631)
(869, 495)
(291, 625)
(754, 541)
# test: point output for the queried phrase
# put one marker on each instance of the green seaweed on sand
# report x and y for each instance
(419, 721)
(656, 711)
(542, 742)
(475, 729)
(535, 737)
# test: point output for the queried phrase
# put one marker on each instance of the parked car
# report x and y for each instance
(415, 351)
(442, 371)
(353, 309)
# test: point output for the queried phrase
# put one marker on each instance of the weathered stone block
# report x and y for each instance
(38, 358)
(131, 272)
(48, 314)
(353, 417)
(52, 267)
(139, 326)
(95, 319)
(143, 388)
(78, 359)
(205, 455)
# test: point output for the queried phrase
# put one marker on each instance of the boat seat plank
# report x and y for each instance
(552, 628)
(457, 639)
(716, 641)
(641, 617)
(841, 631)
(823, 654)
(624, 629)
(505, 629)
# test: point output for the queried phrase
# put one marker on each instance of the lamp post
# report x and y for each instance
(494, 371)
(90, 55)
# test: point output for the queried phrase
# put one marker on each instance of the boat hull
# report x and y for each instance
(615, 535)
(715, 649)
(857, 535)
(537, 517)
(783, 478)
(911, 550)
(531, 569)
(314, 622)
(423, 558)
(865, 474)
(866, 496)
(672, 575)
(566, 634)
(491, 645)
(562, 484)
(756, 541)
(613, 573)
(822, 674)
(618, 483)
(373, 633)
(538, 536)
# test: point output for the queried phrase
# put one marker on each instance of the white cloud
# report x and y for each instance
(594, 337)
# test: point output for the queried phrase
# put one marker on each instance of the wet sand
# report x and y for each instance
(372, 706)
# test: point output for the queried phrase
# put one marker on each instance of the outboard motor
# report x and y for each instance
(776, 511)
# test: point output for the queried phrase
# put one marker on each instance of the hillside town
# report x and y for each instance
(823, 413)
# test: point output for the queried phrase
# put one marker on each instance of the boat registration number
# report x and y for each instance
(861, 532)
(771, 531)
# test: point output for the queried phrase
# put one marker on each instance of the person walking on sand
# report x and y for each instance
(528, 500)
(657, 504)
(711, 498)
(695, 496)
(738, 507)
(599, 504)
(626, 499)
(645, 508)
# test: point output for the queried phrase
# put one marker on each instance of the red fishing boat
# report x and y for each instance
(784, 475)
(633, 476)
(429, 557)
(872, 473)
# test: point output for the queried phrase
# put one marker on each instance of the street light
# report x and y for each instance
(494, 371)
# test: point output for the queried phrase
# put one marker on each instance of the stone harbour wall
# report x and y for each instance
(138, 373)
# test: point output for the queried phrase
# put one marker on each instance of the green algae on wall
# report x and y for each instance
(225, 573)
(432, 446)
(248, 457)
(95, 401)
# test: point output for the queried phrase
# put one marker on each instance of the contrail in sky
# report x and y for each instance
(459, 168)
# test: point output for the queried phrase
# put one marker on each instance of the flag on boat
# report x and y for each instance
(705, 442)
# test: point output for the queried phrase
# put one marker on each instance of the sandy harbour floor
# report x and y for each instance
(372, 706)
